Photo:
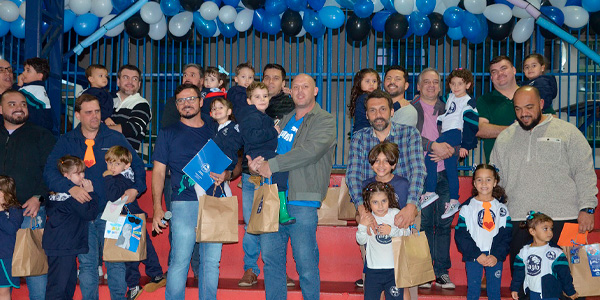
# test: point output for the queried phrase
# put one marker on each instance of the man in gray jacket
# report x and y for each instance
(305, 147)
(545, 165)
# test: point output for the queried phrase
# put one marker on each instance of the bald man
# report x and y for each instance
(306, 146)
(7, 78)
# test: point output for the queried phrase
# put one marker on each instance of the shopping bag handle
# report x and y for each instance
(222, 191)
(34, 224)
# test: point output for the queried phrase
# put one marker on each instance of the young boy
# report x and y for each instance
(214, 86)
(244, 76)
(119, 178)
(97, 76)
(31, 81)
(66, 233)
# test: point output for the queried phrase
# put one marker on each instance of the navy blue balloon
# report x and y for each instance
(554, 13)
(121, 5)
(227, 30)
(438, 28)
(363, 8)
(455, 33)
(378, 22)
(204, 27)
(470, 26)
(233, 3)
(218, 2)
(68, 19)
(257, 20)
(4, 27)
(573, 3)
(170, 7)
(453, 16)
(504, 2)
(388, 5)
(483, 32)
(312, 24)
(409, 30)
(349, 4)
(253, 4)
(296, 5)
(275, 7)
(420, 23)
(316, 4)
(272, 24)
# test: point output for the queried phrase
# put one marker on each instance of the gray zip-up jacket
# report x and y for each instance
(310, 160)
(547, 169)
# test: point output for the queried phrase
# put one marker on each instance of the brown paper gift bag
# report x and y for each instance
(328, 213)
(585, 284)
(412, 260)
(114, 253)
(346, 209)
(217, 219)
(29, 258)
(265, 210)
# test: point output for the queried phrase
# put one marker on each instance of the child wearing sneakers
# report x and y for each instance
(214, 86)
(483, 233)
(117, 179)
(31, 81)
(97, 76)
(460, 123)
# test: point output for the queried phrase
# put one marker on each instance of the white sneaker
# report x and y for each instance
(445, 282)
(100, 273)
(451, 208)
(427, 199)
(426, 285)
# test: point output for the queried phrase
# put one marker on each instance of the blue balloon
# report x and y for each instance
(227, 30)
(121, 5)
(170, 7)
(363, 8)
(420, 23)
(316, 4)
(483, 32)
(86, 24)
(504, 2)
(4, 27)
(573, 3)
(296, 5)
(18, 2)
(453, 16)
(425, 6)
(349, 4)
(233, 3)
(470, 26)
(312, 24)
(272, 24)
(378, 22)
(332, 17)
(591, 5)
(204, 27)
(409, 31)
(17, 28)
(218, 2)
(554, 13)
(275, 7)
(69, 19)
(388, 5)
(455, 33)
(258, 18)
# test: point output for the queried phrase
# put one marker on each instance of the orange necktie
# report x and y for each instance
(488, 221)
(89, 159)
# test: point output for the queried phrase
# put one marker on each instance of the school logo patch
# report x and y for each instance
(224, 131)
(480, 219)
(498, 274)
(503, 212)
(383, 239)
(452, 108)
(394, 291)
(533, 265)
(551, 255)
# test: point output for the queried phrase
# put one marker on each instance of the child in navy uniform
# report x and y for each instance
(383, 159)
(483, 233)
(237, 95)
(36, 71)
(541, 269)
(117, 179)
(365, 81)
(228, 137)
(66, 232)
(534, 66)
(11, 217)
(214, 86)
(97, 75)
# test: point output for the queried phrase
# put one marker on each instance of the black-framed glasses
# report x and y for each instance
(188, 99)
(7, 69)
(133, 219)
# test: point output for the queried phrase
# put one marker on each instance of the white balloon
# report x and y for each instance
(523, 14)
(80, 7)
(101, 8)
(377, 6)
(498, 13)
(440, 7)
(523, 30)
(404, 7)
(158, 30)
(227, 14)
(116, 30)
(558, 3)
(209, 10)
(217, 32)
(575, 16)
(475, 6)
(331, 3)
(66, 3)
(302, 31)
(243, 20)
(180, 24)
(9, 11)
(450, 3)
(151, 13)
(22, 9)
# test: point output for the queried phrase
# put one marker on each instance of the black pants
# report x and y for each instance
(62, 277)
(378, 280)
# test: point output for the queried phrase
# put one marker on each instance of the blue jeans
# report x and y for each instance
(438, 229)
(250, 242)
(183, 223)
(37, 284)
(453, 138)
(303, 236)
(88, 266)
(493, 276)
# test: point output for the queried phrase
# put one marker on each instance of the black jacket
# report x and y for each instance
(258, 133)
(280, 105)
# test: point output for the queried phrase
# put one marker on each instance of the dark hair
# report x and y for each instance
(225, 103)
(275, 66)
(498, 191)
(68, 162)
(215, 72)
(10, 91)
(533, 219)
(131, 68)
(397, 68)
(83, 99)
(197, 66)
(500, 58)
(540, 59)
(466, 76)
(40, 65)
(118, 153)
(380, 94)
(91, 68)
(379, 187)
(186, 86)
(254, 86)
(8, 187)
(390, 150)
(241, 66)
(357, 91)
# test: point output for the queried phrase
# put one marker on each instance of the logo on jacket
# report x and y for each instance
(503, 212)
(451, 109)
(394, 291)
(551, 255)
(224, 131)
(533, 265)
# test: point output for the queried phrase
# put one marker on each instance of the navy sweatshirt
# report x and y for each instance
(229, 139)
(259, 133)
(360, 114)
(106, 101)
(115, 187)
(547, 86)
(238, 98)
(10, 222)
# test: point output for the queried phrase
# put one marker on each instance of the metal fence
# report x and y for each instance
(332, 61)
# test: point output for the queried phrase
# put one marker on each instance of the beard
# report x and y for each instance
(15, 121)
(534, 122)
(381, 127)
(191, 115)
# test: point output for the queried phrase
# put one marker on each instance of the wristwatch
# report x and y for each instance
(589, 210)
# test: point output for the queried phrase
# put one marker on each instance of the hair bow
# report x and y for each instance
(222, 70)
(474, 167)
(531, 214)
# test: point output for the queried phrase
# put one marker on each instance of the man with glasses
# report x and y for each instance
(132, 111)
(7, 78)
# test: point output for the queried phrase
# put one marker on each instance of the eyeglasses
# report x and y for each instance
(7, 69)
(188, 100)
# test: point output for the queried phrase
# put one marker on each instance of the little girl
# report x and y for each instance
(460, 124)
(365, 81)
(380, 200)
(228, 130)
(483, 233)
(540, 269)
(11, 217)
(214, 86)
(534, 67)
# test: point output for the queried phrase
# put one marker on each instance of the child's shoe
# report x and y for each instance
(428, 198)
(134, 293)
(100, 273)
(444, 281)
(156, 283)
(451, 208)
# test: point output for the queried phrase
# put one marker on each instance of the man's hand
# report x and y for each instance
(491, 261)
(220, 178)
(278, 128)
(482, 259)
(586, 222)
(254, 164)
(31, 207)
(86, 184)
(384, 229)
(131, 194)
(441, 151)
(369, 219)
(406, 216)
(157, 224)
(265, 170)
(116, 127)
(79, 194)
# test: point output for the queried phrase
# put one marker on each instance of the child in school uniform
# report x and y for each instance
(97, 76)
(35, 71)
(214, 87)
(237, 95)
(228, 136)
(11, 217)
